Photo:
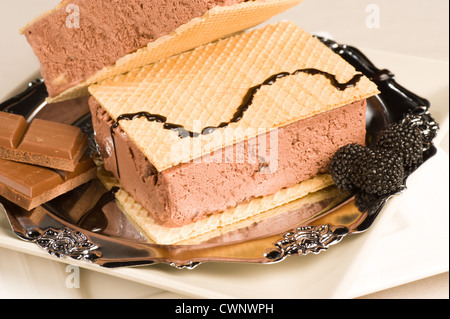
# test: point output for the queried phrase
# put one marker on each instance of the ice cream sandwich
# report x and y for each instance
(205, 134)
(81, 42)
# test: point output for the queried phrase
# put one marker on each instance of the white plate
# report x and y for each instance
(409, 241)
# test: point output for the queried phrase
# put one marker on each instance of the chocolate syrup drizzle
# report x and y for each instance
(239, 114)
(240, 111)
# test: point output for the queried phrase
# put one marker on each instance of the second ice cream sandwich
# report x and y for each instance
(242, 118)
(81, 42)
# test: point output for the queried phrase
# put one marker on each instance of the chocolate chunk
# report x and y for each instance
(12, 128)
(44, 143)
(30, 186)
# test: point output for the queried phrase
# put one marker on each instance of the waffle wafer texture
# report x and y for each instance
(217, 23)
(205, 86)
(240, 216)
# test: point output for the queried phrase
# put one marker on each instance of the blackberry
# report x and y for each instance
(427, 125)
(379, 172)
(376, 173)
(363, 201)
(342, 163)
(404, 139)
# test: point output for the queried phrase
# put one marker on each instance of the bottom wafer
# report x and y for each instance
(292, 199)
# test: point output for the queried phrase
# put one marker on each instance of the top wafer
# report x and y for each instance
(82, 42)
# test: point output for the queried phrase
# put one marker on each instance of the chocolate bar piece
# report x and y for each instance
(45, 143)
(30, 186)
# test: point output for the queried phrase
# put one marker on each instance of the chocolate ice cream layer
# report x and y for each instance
(74, 42)
(190, 191)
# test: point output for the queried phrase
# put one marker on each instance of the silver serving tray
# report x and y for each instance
(85, 224)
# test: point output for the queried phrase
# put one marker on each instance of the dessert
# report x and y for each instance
(166, 130)
(204, 132)
(186, 192)
(81, 42)
(45, 143)
(30, 186)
